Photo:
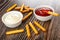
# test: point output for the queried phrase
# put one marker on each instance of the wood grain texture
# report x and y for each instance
(55, 31)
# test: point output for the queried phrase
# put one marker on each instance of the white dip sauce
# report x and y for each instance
(11, 19)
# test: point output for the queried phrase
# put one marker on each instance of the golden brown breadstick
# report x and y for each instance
(38, 25)
(27, 16)
(17, 8)
(26, 7)
(15, 31)
(22, 7)
(28, 30)
(31, 9)
(24, 11)
(12, 7)
(53, 13)
(33, 28)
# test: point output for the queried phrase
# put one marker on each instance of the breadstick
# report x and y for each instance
(15, 31)
(33, 28)
(38, 25)
(27, 16)
(26, 7)
(31, 9)
(12, 7)
(18, 8)
(53, 13)
(22, 8)
(25, 11)
(28, 30)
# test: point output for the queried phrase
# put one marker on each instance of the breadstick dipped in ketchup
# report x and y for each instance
(51, 13)
(44, 11)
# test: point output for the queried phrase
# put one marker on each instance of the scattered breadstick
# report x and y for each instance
(28, 30)
(18, 8)
(34, 29)
(22, 7)
(27, 16)
(26, 7)
(15, 31)
(12, 7)
(53, 13)
(38, 25)
(24, 11)
(31, 8)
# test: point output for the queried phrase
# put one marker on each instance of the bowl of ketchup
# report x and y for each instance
(41, 12)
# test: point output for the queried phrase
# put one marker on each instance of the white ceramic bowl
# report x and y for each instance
(43, 18)
(12, 25)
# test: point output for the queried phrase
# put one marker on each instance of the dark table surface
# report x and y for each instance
(52, 26)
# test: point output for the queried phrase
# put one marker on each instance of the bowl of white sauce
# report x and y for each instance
(12, 19)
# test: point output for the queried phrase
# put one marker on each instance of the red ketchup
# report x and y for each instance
(43, 11)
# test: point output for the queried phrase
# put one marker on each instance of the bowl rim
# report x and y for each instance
(4, 15)
(43, 6)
